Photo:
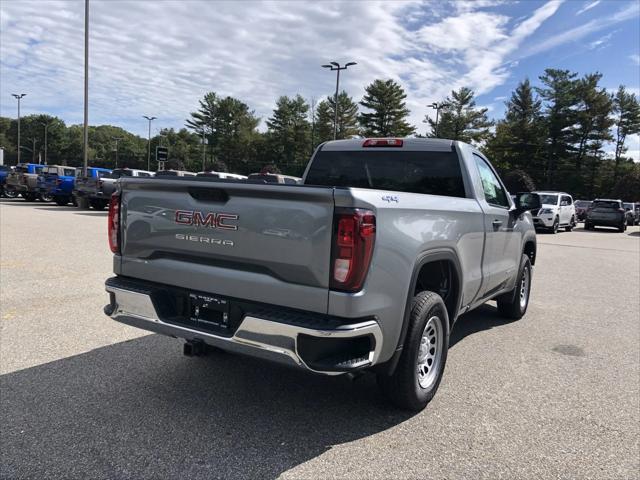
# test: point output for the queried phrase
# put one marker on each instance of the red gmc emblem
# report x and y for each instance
(211, 219)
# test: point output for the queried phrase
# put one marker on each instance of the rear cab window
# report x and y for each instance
(426, 172)
(606, 205)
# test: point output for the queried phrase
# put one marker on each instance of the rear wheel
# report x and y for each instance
(572, 224)
(514, 304)
(419, 371)
(46, 197)
(61, 201)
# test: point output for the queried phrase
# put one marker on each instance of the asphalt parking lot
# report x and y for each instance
(554, 395)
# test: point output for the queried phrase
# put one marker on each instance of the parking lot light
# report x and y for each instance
(18, 97)
(149, 142)
(335, 66)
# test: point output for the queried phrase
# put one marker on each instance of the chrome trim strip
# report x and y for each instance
(259, 333)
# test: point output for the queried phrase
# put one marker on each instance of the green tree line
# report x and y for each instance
(553, 136)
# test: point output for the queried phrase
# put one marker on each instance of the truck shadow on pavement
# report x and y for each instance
(139, 409)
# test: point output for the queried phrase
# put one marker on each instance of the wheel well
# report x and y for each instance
(440, 276)
(530, 251)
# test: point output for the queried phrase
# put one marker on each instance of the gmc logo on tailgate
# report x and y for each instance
(211, 219)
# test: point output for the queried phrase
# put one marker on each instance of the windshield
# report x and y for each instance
(628, 205)
(549, 199)
(120, 173)
(434, 173)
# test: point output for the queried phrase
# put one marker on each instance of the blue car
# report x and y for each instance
(56, 183)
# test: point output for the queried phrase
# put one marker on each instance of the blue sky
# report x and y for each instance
(159, 57)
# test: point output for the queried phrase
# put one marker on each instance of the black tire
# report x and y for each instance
(61, 201)
(98, 204)
(403, 387)
(511, 304)
(10, 192)
(572, 224)
(556, 223)
(29, 197)
(45, 197)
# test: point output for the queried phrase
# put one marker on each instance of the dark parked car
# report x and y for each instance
(581, 209)
(606, 212)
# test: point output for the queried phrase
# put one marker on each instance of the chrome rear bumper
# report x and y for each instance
(254, 336)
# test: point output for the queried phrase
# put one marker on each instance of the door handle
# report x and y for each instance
(496, 224)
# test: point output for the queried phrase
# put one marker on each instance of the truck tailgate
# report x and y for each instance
(267, 243)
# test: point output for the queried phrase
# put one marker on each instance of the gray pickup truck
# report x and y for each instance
(366, 265)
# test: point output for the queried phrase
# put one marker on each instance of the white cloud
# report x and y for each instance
(159, 58)
(601, 42)
(588, 6)
(577, 33)
(635, 59)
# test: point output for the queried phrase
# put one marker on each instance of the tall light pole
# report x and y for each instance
(117, 139)
(33, 151)
(46, 127)
(85, 142)
(437, 107)
(335, 66)
(204, 151)
(18, 97)
(149, 142)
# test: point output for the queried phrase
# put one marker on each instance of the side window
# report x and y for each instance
(70, 172)
(566, 200)
(494, 194)
(143, 174)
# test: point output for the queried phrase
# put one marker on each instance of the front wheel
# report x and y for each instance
(514, 304)
(419, 371)
(556, 223)
(10, 192)
(46, 197)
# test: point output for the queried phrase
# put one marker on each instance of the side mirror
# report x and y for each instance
(526, 201)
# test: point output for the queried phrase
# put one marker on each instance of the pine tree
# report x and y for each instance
(519, 138)
(627, 122)
(388, 111)
(347, 118)
(559, 95)
(461, 120)
(289, 135)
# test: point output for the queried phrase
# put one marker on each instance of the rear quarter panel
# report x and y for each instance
(408, 226)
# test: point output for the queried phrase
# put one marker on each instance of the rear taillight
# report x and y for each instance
(382, 142)
(114, 223)
(354, 234)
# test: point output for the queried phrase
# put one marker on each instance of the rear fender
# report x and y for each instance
(427, 257)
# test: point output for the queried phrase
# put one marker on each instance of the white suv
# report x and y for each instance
(557, 211)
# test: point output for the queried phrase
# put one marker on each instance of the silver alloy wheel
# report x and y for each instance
(430, 352)
(45, 197)
(11, 193)
(524, 288)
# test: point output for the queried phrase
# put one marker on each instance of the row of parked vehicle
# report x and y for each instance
(63, 184)
(559, 210)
